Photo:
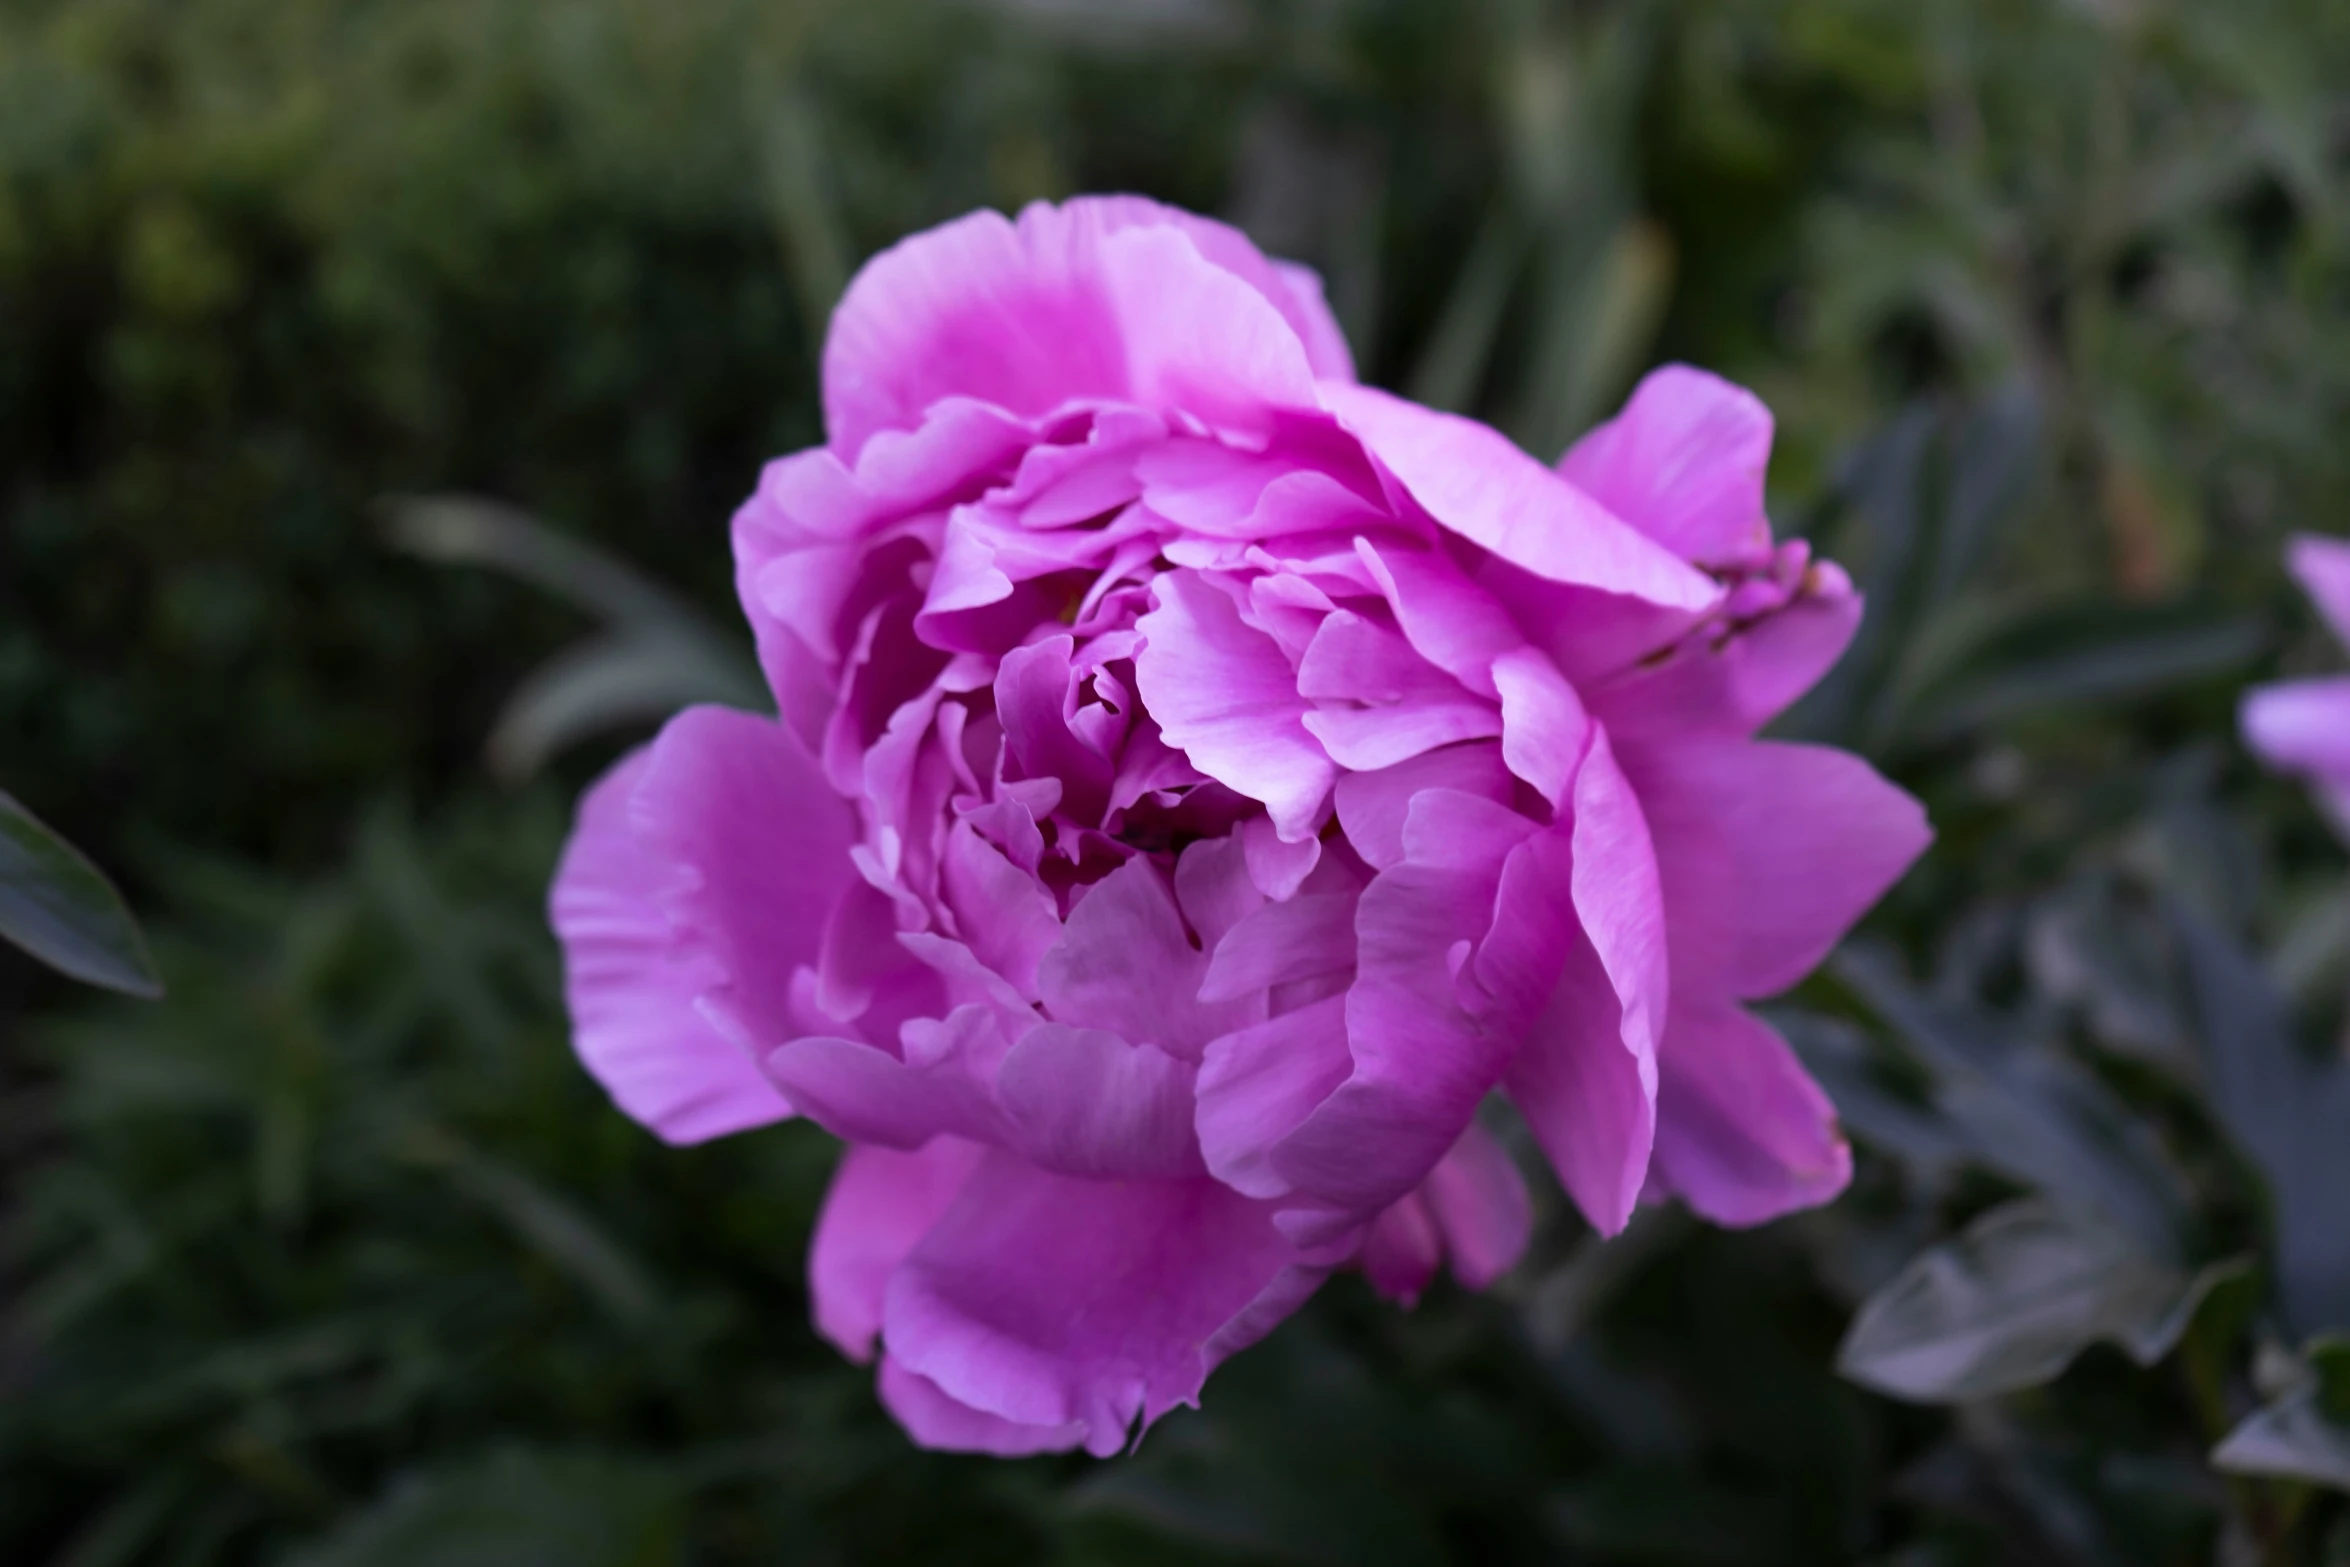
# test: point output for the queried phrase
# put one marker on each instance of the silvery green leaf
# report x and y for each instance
(2286, 1109)
(604, 682)
(2291, 1439)
(2009, 1303)
(470, 530)
(2026, 1109)
(59, 907)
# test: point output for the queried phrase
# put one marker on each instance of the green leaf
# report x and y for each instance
(518, 1507)
(2285, 1108)
(603, 682)
(2290, 1440)
(2009, 1302)
(659, 655)
(2025, 1108)
(60, 908)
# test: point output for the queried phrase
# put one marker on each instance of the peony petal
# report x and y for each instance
(1083, 1102)
(2322, 566)
(1282, 943)
(1578, 954)
(881, 1202)
(1215, 887)
(1684, 464)
(1741, 682)
(1013, 316)
(1544, 730)
(1366, 739)
(1126, 966)
(1372, 806)
(1743, 1133)
(1111, 299)
(1473, 481)
(1480, 1206)
(633, 999)
(1257, 1085)
(1422, 1061)
(1768, 853)
(1224, 696)
(2302, 726)
(943, 1085)
(939, 1423)
(1009, 919)
(762, 849)
(1276, 866)
(1050, 1300)
(1317, 328)
(1402, 1250)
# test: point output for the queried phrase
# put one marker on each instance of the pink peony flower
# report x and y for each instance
(1201, 781)
(2303, 726)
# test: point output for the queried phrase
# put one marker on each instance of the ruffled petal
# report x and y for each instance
(2322, 566)
(882, 1201)
(1578, 953)
(1481, 1209)
(1111, 299)
(1421, 1058)
(943, 1085)
(1684, 464)
(1768, 853)
(633, 995)
(1735, 684)
(1225, 697)
(1372, 806)
(1257, 1085)
(1125, 965)
(1473, 481)
(1049, 1300)
(1402, 1248)
(938, 1422)
(1282, 943)
(760, 844)
(1743, 1133)
(1083, 1102)
(2302, 726)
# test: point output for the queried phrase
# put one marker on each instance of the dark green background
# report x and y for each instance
(336, 1258)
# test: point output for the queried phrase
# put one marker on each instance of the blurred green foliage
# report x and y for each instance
(335, 1258)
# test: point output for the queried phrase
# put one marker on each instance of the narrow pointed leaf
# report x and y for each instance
(60, 908)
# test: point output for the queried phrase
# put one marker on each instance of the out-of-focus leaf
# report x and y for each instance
(2076, 655)
(2329, 1358)
(805, 216)
(549, 1224)
(1877, 540)
(2011, 1300)
(1838, 1056)
(1621, 305)
(60, 908)
(1303, 1459)
(1459, 351)
(2027, 1110)
(2085, 949)
(514, 1507)
(658, 656)
(2291, 1439)
(594, 685)
(1993, 451)
(2289, 1113)
(470, 530)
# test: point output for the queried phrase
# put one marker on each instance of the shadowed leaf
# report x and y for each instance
(60, 908)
